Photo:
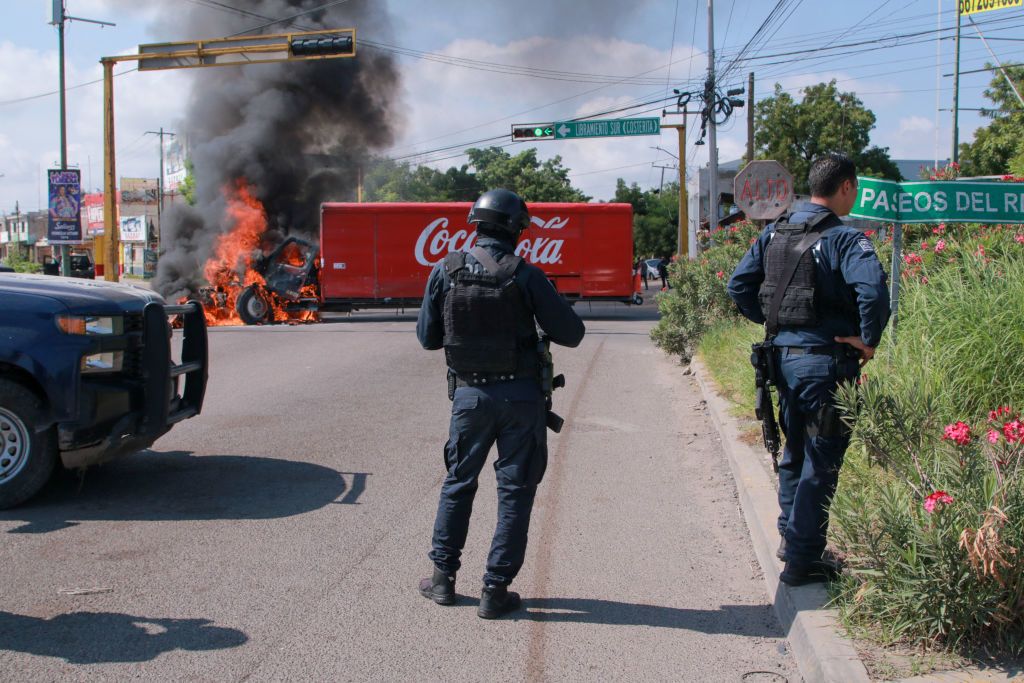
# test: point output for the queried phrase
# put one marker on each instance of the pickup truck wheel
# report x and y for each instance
(252, 307)
(28, 452)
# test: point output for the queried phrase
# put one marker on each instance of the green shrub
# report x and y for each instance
(21, 264)
(952, 576)
(697, 298)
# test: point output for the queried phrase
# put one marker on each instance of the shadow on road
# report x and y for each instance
(98, 637)
(746, 620)
(176, 485)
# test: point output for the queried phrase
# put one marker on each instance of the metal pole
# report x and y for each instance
(956, 92)
(110, 229)
(897, 264)
(683, 236)
(750, 117)
(65, 253)
(709, 105)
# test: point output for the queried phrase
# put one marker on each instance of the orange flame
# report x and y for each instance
(229, 270)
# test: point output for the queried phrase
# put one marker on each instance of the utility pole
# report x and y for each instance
(682, 233)
(58, 19)
(709, 107)
(160, 183)
(750, 117)
(956, 91)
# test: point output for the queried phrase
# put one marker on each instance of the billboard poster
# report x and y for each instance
(139, 190)
(133, 228)
(92, 213)
(174, 165)
(65, 199)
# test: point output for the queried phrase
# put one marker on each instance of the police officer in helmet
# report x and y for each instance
(820, 290)
(484, 307)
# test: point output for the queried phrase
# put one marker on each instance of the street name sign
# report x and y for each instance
(763, 190)
(939, 201)
(967, 7)
(604, 128)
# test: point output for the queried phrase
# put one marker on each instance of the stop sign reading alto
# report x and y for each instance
(763, 189)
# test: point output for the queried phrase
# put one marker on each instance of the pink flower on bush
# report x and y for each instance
(924, 246)
(870, 233)
(959, 432)
(1014, 431)
(939, 229)
(935, 500)
(912, 259)
(1019, 239)
(924, 279)
(981, 250)
(940, 246)
(720, 274)
(994, 415)
(993, 436)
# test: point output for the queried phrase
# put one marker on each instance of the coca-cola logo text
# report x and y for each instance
(436, 240)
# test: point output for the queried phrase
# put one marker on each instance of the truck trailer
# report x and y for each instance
(379, 255)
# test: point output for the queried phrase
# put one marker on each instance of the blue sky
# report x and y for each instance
(443, 105)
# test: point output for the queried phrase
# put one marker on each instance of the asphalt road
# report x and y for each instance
(280, 535)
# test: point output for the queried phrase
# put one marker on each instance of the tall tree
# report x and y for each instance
(826, 120)
(390, 181)
(998, 148)
(655, 217)
(533, 180)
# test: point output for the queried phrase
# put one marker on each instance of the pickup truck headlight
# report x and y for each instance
(91, 324)
(111, 361)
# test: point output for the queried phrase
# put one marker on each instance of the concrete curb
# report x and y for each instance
(821, 653)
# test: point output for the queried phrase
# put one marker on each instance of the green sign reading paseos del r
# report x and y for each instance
(936, 202)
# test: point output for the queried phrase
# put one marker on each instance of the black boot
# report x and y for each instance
(803, 572)
(497, 601)
(440, 588)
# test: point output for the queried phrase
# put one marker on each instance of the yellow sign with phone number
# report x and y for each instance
(966, 7)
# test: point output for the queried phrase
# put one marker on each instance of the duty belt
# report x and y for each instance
(830, 350)
(837, 350)
(483, 379)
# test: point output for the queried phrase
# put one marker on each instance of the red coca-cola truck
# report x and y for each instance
(380, 255)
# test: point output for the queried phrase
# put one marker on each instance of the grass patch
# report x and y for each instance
(725, 350)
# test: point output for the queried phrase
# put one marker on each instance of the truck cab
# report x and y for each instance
(87, 374)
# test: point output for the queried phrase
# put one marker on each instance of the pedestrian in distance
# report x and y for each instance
(645, 272)
(663, 272)
(484, 307)
(821, 292)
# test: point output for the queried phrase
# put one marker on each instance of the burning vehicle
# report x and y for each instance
(379, 255)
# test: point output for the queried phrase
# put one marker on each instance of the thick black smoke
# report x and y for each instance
(297, 132)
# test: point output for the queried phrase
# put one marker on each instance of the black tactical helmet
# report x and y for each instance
(502, 209)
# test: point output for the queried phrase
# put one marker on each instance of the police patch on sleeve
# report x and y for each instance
(866, 245)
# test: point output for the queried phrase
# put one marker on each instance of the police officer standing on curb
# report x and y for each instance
(483, 308)
(820, 290)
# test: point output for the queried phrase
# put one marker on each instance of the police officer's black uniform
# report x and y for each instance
(850, 300)
(507, 409)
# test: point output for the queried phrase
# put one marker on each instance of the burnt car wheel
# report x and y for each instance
(252, 307)
(28, 452)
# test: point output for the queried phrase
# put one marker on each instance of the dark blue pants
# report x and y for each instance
(815, 445)
(511, 414)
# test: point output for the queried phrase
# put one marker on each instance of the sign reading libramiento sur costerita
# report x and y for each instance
(939, 201)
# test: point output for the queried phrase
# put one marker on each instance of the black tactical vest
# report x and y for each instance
(488, 329)
(789, 264)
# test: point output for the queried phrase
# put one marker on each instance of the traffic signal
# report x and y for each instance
(533, 131)
(322, 46)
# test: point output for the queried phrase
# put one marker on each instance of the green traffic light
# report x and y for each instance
(538, 132)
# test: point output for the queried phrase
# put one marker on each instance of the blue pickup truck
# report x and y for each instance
(87, 374)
